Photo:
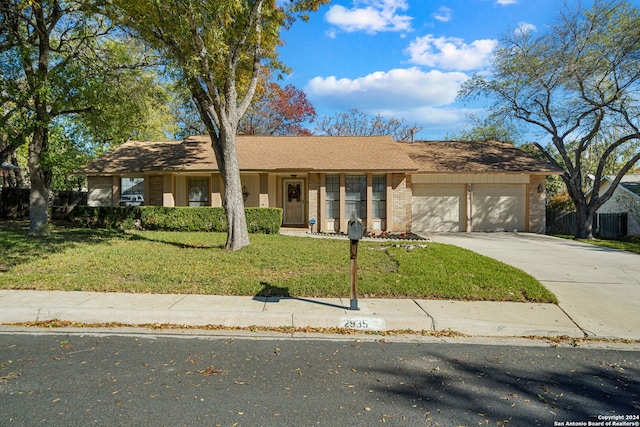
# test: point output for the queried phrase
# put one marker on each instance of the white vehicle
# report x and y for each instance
(132, 200)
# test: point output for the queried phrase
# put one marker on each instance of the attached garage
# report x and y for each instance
(498, 207)
(438, 208)
(476, 186)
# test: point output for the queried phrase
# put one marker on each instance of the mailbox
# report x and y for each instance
(355, 230)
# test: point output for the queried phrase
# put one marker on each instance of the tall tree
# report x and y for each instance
(574, 84)
(356, 123)
(485, 129)
(219, 49)
(40, 41)
(58, 60)
(278, 111)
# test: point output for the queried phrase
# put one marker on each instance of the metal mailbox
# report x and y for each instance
(355, 229)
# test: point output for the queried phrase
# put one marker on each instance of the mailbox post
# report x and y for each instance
(355, 232)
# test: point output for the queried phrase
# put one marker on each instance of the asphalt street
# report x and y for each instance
(86, 378)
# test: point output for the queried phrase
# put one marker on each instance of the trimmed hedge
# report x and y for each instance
(259, 220)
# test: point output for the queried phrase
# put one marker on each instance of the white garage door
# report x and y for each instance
(438, 207)
(498, 207)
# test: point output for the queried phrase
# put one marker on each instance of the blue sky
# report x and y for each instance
(403, 58)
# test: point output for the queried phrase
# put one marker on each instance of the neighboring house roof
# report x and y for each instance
(320, 153)
(629, 182)
(474, 157)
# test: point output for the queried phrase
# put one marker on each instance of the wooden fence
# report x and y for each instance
(14, 203)
(605, 225)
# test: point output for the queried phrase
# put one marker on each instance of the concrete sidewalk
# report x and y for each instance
(494, 319)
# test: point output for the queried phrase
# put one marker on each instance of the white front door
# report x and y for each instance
(293, 203)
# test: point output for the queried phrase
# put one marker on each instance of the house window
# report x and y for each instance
(379, 201)
(332, 186)
(199, 192)
(131, 191)
(356, 195)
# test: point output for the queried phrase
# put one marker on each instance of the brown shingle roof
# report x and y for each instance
(141, 156)
(474, 157)
(320, 153)
(259, 153)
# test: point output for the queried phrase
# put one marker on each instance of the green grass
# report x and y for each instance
(195, 263)
(629, 243)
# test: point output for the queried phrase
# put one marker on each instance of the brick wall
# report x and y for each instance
(156, 185)
(313, 196)
(537, 204)
(620, 202)
(401, 203)
(100, 190)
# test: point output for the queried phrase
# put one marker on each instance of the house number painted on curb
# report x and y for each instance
(363, 323)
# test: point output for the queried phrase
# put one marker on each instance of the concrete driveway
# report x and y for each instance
(598, 288)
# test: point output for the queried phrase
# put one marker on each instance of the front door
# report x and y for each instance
(293, 193)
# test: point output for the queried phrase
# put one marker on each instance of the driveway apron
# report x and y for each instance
(599, 288)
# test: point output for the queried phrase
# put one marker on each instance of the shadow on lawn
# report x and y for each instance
(177, 244)
(273, 294)
(18, 249)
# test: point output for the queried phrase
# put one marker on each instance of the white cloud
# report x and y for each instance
(396, 89)
(443, 14)
(506, 2)
(432, 118)
(525, 28)
(371, 16)
(450, 53)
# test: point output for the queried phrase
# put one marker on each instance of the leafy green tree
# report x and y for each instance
(487, 130)
(61, 64)
(219, 49)
(575, 84)
(129, 99)
(356, 123)
(64, 157)
(40, 43)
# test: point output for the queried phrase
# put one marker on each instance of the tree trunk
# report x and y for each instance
(237, 234)
(40, 180)
(584, 222)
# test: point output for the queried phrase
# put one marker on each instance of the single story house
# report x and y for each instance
(438, 186)
(626, 198)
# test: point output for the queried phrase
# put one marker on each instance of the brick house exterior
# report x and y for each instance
(626, 198)
(392, 186)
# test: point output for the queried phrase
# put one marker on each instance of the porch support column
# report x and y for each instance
(168, 190)
(343, 208)
(322, 205)
(115, 190)
(264, 190)
(469, 210)
(147, 189)
(369, 209)
(388, 223)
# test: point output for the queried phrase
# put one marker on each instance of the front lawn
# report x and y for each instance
(195, 263)
(629, 243)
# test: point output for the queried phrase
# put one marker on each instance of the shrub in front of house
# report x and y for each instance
(182, 219)
(105, 216)
(259, 220)
(263, 220)
(561, 202)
